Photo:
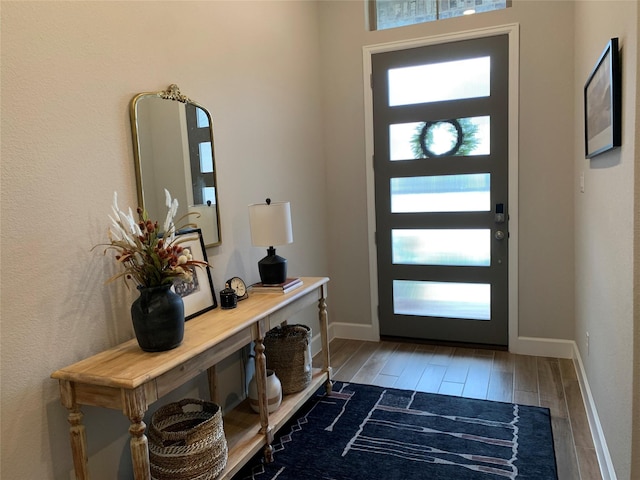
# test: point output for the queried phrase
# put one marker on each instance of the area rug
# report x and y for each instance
(363, 432)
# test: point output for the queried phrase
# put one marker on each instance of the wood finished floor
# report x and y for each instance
(484, 374)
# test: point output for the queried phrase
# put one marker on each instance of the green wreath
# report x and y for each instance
(425, 130)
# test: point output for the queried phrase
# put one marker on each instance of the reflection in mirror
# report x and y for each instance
(173, 148)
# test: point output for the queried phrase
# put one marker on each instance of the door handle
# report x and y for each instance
(499, 235)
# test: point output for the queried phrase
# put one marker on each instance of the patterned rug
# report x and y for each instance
(364, 432)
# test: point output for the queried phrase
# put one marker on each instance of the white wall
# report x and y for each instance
(606, 225)
(69, 71)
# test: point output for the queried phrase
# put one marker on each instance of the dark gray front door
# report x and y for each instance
(441, 188)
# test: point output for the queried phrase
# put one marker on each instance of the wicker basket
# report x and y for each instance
(186, 441)
(288, 351)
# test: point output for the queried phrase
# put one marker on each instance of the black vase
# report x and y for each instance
(158, 318)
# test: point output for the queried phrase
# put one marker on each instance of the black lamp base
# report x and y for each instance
(272, 268)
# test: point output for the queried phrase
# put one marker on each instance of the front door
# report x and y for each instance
(441, 188)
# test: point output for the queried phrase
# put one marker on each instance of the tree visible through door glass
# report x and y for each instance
(439, 136)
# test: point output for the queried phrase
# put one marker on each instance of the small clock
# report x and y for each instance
(237, 284)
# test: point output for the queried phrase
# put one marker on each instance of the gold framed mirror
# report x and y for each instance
(173, 149)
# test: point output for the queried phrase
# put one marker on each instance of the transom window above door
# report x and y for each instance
(385, 14)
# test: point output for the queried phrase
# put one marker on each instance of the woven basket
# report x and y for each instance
(288, 352)
(186, 441)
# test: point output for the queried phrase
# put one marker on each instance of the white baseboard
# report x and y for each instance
(349, 331)
(602, 451)
(354, 331)
(542, 347)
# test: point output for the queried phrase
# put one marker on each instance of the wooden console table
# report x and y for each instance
(126, 378)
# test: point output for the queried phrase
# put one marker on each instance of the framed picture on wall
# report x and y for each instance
(198, 294)
(603, 103)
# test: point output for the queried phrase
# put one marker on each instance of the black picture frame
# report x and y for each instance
(198, 295)
(603, 103)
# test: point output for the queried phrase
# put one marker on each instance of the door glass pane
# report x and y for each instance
(441, 193)
(455, 137)
(435, 82)
(442, 299)
(441, 247)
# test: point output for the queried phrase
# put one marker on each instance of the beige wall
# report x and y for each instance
(606, 228)
(69, 71)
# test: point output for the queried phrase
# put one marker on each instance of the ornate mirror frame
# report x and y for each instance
(168, 126)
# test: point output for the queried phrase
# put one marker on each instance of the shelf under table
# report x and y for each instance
(242, 425)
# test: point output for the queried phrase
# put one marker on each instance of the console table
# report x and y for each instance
(128, 379)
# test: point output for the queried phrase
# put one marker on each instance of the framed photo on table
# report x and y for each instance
(198, 294)
(603, 103)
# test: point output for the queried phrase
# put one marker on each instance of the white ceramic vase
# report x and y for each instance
(274, 392)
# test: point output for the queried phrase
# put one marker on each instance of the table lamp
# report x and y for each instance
(271, 225)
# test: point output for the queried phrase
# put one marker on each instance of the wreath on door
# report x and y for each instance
(428, 126)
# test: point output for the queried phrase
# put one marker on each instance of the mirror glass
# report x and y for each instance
(173, 149)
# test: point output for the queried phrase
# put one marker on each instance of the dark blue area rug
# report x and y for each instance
(364, 432)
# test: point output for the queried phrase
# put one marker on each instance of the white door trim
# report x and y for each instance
(512, 30)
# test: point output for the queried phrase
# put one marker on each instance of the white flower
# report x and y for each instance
(135, 229)
(124, 224)
(120, 233)
(147, 255)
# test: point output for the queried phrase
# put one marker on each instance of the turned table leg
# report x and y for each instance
(324, 334)
(77, 431)
(261, 384)
(78, 443)
(135, 409)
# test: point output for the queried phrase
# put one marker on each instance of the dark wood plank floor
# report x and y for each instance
(484, 374)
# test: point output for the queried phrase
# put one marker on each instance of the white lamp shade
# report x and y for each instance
(270, 224)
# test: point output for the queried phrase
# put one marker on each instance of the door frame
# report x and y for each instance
(513, 32)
